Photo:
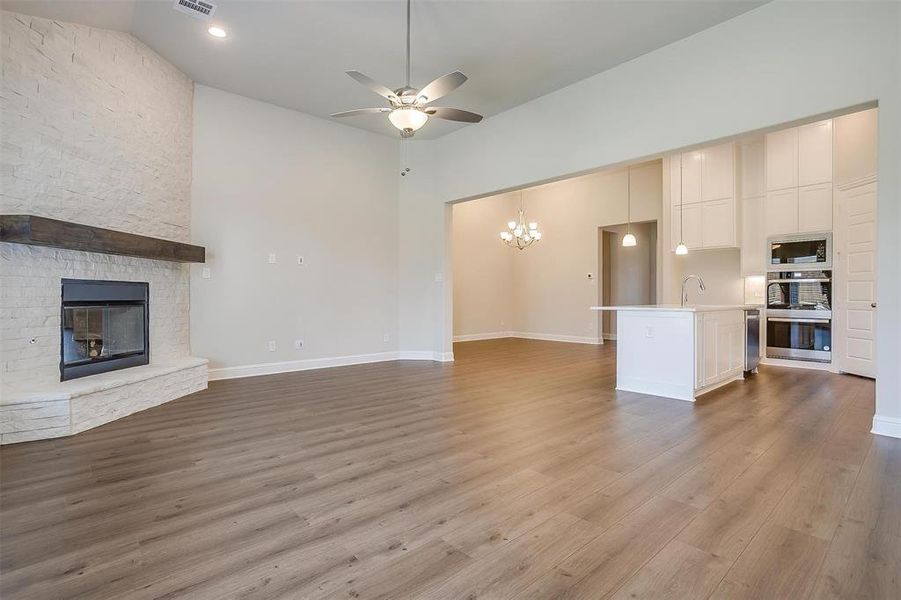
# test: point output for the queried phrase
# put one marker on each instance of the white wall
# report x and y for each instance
(96, 129)
(484, 291)
(550, 291)
(270, 180)
(782, 62)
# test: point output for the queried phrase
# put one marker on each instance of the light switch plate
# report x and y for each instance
(300, 260)
(272, 346)
(205, 273)
(386, 337)
(271, 258)
(298, 344)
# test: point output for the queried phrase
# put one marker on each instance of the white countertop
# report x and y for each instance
(686, 308)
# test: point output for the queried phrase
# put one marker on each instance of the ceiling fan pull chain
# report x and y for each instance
(403, 156)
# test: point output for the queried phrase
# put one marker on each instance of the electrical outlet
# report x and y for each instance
(271, 258)
(386, 337)
(272, 346)
(298, 344)
(300, 260)
(205, 273)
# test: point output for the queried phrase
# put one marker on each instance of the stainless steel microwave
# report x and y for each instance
(810, 251)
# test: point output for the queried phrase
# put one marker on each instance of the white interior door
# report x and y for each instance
(855, 277)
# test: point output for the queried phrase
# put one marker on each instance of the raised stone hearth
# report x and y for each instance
(37, 413)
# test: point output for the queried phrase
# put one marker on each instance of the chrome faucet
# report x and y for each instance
(701, 287)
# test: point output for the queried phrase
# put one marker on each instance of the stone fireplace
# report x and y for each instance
(97, 132)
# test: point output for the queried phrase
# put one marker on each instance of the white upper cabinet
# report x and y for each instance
(781, 212)
(689, 216)
(815, 153)
(690, 189)
(799, 179)
(855, 149)
(753, 179)
(718, 223)
(815, 208)
(782, 159)
(718, 172)
(706, 193)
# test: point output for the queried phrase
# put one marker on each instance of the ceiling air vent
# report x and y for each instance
(196, 8)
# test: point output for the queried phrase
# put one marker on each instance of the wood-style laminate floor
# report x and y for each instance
(516, 472)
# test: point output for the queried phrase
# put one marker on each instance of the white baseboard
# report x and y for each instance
(888, 426)
(425, 355)
(324, 363)
(527, 335)
(475, 337)
(553, 337)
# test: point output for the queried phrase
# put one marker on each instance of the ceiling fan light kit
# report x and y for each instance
(408, 108)
(407, 118)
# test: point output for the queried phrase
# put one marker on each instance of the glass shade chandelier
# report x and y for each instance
(519, 234)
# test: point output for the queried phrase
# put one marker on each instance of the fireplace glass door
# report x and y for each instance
(104, 327)
(92, 333)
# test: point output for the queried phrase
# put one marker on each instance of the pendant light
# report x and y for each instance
(629, 238)
(681, 249)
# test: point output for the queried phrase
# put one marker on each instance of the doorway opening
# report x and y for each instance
(628, 274)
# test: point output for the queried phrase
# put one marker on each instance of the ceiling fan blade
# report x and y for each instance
(361, 111)
(453, 114)
(373, 85)
(442, 86)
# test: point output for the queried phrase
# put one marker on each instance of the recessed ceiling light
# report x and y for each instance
(217, 32)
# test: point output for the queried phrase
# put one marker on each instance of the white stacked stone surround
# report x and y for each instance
(96, 129)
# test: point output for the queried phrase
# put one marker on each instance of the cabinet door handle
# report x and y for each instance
(872, 305)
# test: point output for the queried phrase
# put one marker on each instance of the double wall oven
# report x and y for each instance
(799, 298)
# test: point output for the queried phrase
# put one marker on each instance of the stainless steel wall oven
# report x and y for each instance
(799, 315)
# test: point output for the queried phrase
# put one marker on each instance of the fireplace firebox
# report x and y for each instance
(105, 326)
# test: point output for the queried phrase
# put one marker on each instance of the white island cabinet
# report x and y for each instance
(677, 351)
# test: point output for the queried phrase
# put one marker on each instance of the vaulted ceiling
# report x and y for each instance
(294, 53)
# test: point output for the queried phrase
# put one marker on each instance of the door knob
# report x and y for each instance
(872, 305)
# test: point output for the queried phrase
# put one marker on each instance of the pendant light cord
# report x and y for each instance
(629, 200)
(681, 197)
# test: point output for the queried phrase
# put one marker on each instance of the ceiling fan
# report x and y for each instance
(408, 108)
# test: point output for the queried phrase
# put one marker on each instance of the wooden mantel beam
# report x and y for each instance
(41, 231)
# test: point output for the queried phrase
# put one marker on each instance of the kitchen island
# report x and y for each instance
(678, 351)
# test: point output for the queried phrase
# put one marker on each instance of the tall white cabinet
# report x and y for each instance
(703, 198)
(799, 180)
(752, 194)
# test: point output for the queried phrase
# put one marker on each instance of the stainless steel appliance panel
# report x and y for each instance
(799, 338)
(752, 339)
(799, 291)
(793, 252)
